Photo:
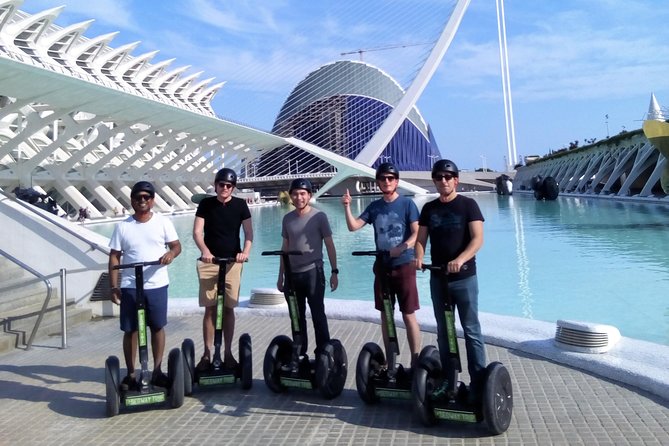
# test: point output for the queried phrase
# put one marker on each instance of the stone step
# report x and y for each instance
(15, 328)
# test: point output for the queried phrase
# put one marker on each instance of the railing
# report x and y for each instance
(33, 209)
(48, 293)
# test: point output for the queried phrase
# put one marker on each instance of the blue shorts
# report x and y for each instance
(156, 309)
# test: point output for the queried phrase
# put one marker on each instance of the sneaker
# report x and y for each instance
(160, 379)
(231, 363)
(129, 383)
(203, 365)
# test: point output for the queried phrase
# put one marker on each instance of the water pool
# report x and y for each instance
(592, 260)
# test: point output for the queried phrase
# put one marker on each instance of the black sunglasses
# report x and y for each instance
(142, 197)
(443, 177)
(225, 185)
(386, 178)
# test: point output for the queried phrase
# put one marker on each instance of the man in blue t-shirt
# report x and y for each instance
(395, 221)
(454, 225)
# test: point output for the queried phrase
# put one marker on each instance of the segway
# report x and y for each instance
(285, 366)
(439, 395)
(218, 374)
(143, 392)
(374, 380)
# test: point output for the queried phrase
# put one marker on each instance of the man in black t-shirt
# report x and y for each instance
(216, 230)
(454, 225)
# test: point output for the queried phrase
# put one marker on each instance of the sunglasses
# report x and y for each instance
(443, 177)
(142, 197)
(225, 185)
(388, 178)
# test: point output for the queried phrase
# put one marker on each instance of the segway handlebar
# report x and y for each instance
(441, 268)
(136, 264)
(369, 253)
(280, 253)
(219, 260)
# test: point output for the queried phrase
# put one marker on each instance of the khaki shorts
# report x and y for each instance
(208, 275)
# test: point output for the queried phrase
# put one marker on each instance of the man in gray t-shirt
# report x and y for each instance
(306, 229)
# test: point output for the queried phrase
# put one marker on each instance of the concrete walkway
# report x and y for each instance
(50, 396)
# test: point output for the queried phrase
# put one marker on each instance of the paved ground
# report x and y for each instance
(50, 396)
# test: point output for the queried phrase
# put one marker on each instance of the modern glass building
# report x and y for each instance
(339, 107)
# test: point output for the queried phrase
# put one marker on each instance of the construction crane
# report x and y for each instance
(384, 48)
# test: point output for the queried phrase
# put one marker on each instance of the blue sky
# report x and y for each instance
(572, 62)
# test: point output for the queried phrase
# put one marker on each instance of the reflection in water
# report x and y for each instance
(523, 261)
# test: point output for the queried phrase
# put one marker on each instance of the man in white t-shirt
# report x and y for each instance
(143, 237)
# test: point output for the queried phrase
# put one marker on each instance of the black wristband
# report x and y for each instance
(335, 271)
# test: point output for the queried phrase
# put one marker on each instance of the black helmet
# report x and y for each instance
(143, 186)
(227, 175)
(445, 166)
(385, 168)
(300, 183)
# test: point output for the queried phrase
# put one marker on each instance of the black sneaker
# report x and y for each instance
(129, 383)
(159, 379)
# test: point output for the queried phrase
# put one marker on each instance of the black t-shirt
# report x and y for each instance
(448, 231)
(222, 222)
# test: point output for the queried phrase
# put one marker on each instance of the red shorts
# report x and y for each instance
(402, 286)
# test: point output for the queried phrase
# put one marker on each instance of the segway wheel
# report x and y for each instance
(112, 384)
(278, 353)
(425, 375)
(497, 399)
(369, 363)
(188, 351)
(175, 373)
(332, 369)
(245, 361)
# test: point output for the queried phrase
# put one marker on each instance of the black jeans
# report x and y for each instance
(309, 287)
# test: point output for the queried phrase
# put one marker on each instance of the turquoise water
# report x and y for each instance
(581, 259)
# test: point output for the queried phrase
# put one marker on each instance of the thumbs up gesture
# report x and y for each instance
(346, 198)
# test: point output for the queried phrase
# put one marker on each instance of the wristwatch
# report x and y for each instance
(335, 271)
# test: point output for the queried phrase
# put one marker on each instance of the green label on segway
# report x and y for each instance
(294, 312)
(390, 323)
(139, 400)
(296, 383)
(455, 415)
(450, 330)
(397, 394)
(141, 323)
(219, 313)
(216, 380)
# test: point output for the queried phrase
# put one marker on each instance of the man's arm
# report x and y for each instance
(174, 251)
(332, 256)
(352, 222)
(198, 238)
(421, 245)
(114, 284)
(247, 227)
(476, 231)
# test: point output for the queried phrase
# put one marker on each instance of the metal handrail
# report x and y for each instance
(33, 209)
(48, 293)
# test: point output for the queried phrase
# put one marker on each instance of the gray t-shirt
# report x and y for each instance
(306, 233)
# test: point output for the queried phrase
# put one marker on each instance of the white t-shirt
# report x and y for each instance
(143, 242)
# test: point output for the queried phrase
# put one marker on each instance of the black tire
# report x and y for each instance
(246, 361)
(175, 373)
(497, 398)
(112, 385)
(425, 378)
(188, 351)
(332, 369)
(278, 353)
(369, 362)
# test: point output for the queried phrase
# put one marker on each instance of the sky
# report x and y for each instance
(578, 69)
